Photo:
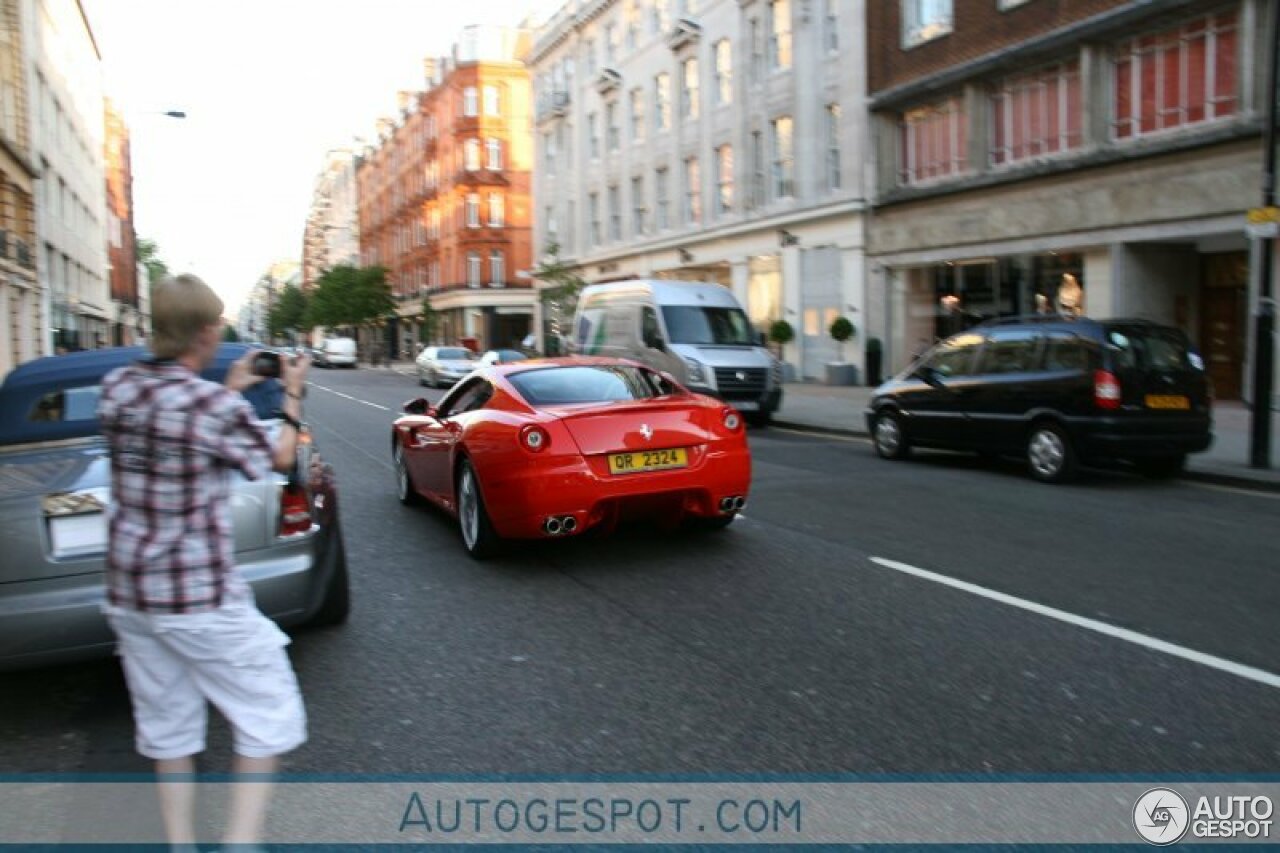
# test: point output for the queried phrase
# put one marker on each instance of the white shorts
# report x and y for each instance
(233, 657)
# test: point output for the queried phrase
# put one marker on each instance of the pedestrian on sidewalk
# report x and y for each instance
(188, 628)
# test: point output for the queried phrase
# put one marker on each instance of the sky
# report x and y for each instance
(268, 86)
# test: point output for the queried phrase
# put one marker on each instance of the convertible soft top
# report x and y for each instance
(26, 384)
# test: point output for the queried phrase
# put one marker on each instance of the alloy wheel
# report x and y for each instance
(888, 435)
(468, 508)
(1047, 453)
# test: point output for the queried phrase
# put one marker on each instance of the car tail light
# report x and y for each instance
(295, 512)
(534, 438)
(1106, 390)
(731, 419)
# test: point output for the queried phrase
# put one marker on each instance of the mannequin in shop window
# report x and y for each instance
(1070, 296)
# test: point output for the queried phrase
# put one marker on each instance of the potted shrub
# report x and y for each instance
(781, 334)
(841, 372)
(875, 361)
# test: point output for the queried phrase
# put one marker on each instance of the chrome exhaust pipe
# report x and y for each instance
(739, 502)
(569, 524)
(551, 526)
(726, 504)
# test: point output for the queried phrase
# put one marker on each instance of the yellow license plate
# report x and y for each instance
(648, 460)
(1167, 401)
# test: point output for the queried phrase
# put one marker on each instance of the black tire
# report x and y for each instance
(759, 419)
(1050, 456)
(336, 606)
(889, 436)
(478, 535)
(1161, 467)
(404, 481)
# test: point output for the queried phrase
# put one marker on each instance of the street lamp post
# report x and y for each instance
(1265, 311)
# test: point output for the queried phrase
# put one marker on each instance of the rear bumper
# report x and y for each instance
(573, 488)
(1133, 438)
(60, 620)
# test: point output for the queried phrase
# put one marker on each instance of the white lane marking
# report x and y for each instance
(1253, 674)
(1252, 493)
(855, 439)
(349, 397)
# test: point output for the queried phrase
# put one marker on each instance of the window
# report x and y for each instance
(492, 101)
(473, 210)
(613, 134)
(1178, 77)
(637, 115)
(473, 269)
(780, 34)
(757, 170)
(471, 155)
(615, 214)
(497, 210)
(494, 147)
(593, 202)
(689, 76)
(692, 191)
(1036, 114)
(692, 324)
(589, 56)
(549, 217)
(661, 19)
(756, 37)
(637, 206)
(1010, 352)
(833, 146)
(934, 142)
(632, 15)
(830, 26)
(724, 179)
(783, 158)
(924, 20)
(497, 268)
(724, 72)
(954, 356)
(661, 188)
(593, 136)
(662, 102)
(469, 105)
(1065, 351)
(560, 386)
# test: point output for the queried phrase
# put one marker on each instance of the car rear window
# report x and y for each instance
(66, 404)
(1139, 348)
(557, 386)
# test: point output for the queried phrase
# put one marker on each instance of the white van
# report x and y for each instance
(695, 331)
(337, 352)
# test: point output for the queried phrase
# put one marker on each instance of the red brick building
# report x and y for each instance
(444, 198)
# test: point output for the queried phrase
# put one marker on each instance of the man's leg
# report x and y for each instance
(249, 798)
(178, 799)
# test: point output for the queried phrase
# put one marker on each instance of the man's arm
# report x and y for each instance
(293, 376)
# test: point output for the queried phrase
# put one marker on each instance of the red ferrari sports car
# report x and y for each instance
(556, 447)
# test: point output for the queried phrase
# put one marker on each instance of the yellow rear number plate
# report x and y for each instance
(1167, 401)
(648, 460)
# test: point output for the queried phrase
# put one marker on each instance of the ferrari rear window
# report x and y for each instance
(560, 386)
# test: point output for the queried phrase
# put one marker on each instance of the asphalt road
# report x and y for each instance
(776, 646)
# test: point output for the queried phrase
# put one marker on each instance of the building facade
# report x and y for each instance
(1095, 156)
(64, 79)
(20, 300)
(444, 199)
(332, 233)
(130, 324)
(716, 140)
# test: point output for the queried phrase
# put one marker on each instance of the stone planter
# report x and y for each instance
(840, 373)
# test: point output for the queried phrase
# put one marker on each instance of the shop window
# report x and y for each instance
(1182, 76)
(1036, 114)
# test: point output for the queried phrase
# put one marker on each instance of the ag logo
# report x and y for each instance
(1161, 816)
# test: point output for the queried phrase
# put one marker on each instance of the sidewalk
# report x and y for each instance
(837, 409)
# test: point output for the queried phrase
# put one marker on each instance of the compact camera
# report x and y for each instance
(267, 364)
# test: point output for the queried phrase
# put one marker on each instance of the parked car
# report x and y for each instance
(542, 449)
(336, 352)
(695, 331)
(1058, 391)
(55, 489)
(502, 356)
(444, 365)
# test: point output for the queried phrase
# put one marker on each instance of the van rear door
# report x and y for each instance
(1159, 371)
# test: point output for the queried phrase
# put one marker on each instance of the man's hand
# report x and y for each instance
(293, 374)
(240, 375)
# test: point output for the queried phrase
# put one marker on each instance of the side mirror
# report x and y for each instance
(927, 375)
(419, 406)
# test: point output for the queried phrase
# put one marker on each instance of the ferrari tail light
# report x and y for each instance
(295, 512)
(732, 420)
(1106, 390)
(534, 438)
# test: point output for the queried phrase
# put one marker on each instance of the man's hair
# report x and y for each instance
(181, 307)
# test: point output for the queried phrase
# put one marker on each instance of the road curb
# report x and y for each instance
(1212, 477)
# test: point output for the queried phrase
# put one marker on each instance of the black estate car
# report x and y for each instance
(1059, 391)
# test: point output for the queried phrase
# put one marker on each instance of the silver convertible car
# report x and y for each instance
(55, 488)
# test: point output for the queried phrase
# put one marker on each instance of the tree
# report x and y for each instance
(430, 319)
(288, 314)
(230, 335)
(561, 297)
(149, 256)
(348, 296)
(781, 333)
(841, 330)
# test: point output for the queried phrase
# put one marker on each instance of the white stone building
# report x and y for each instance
(332, 234)
(65, 84)
(716, 140)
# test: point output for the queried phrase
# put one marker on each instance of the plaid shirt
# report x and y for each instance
(174, 440)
